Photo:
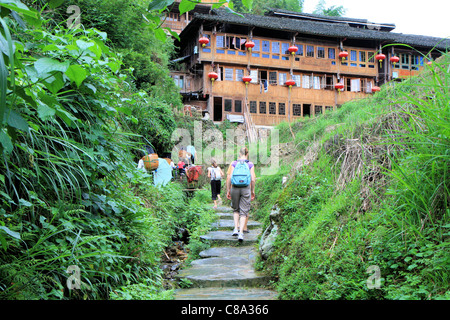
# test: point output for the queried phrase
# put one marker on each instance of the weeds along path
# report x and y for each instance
(226, 270)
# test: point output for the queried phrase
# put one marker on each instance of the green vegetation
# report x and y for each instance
(374, 191)
(70, 130)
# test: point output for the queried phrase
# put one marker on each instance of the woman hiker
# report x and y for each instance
(241, 191)
(215, 173)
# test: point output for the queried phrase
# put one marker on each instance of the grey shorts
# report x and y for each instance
(240, 200)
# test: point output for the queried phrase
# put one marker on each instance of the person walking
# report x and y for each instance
(241, 191)
(215, 173)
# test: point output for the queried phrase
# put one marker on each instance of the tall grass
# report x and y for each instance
(374, 192)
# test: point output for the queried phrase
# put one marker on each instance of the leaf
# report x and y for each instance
(15, 120)
(11, 233)
(5, 141)
(25, 203)
(45, 112)
(47, 65)
(77, 74)
(55, 3)
(19, 7)
(55, 83)
(159, 4)
(84, 45)
(248, 4)
(160, 34)
(185, 6)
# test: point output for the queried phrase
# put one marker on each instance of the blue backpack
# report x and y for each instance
(241, 174)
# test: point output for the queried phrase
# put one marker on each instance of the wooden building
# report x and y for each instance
(284, 84)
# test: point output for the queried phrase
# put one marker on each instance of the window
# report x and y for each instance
(300, 49)
(331, 53)
(228, 105)
(282, 77)
(296, 78)
(272, 108)
(237, 106)
(404, 61)
(281, 108)
(273, 77)
(318, 109)
(239, 74)
(262, 107)
(310, 51)
(228, 74)
(265, 46)
(297, 109)
(362, 56)
(220, 42)
(371, 56)
(355, 85)
(329, 83)
(285, 48)
(254, 76)
(306, 82)
(252, 106)
(316, 83)
(256, 47)
(275, 47)
(352, 55)
(320, 52)
(328, 108)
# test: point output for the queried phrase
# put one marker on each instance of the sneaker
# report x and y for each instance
(246, 231)
(241, 237)
(235, 232)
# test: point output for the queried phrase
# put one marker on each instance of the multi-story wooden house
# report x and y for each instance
(286, 65)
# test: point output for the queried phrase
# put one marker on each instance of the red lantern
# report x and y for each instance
(203, 41)
(290, 83)
(394, 60)
(249, 45)
(343, 55)
(247, 79)
(293, 49)
(380, 57)
(339, 86)
(375, 89)
(213, 76)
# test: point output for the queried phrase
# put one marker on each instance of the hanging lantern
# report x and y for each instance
(343, 55)
(339, 87)
(394, 60)
(213, 76)
(249, 45)
(293, 49)
(203, 41)
(380, 57)
(290, 83)
(247, 79)
(375, 89)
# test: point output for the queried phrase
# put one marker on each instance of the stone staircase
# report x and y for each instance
(226, 270)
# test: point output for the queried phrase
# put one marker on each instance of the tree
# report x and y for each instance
(333, 11)
(261, 6)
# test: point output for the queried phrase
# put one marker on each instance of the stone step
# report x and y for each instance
(242, 251)
(224, 209)
(229, 224)
(225, 294)
(224, 237)
(231, 271)
(225, 215)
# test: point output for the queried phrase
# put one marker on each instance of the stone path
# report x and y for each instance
(226, 270)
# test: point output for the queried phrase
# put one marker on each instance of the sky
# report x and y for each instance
(425, 17)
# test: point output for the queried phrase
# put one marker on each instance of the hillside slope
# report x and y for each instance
(365, 211)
